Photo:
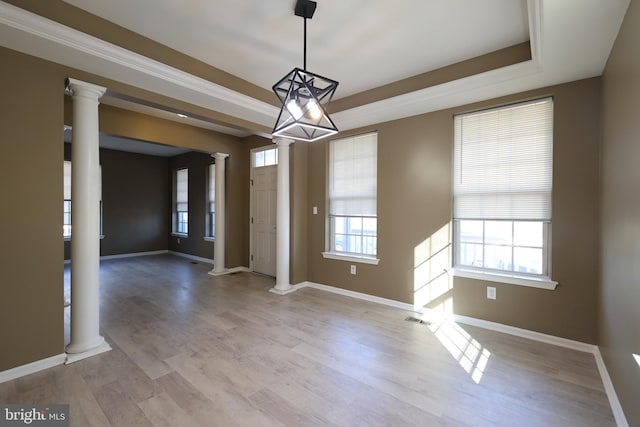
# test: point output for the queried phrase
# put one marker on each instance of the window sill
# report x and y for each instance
(512, 279)
(351, 258)
(209, 239)
(184, 236)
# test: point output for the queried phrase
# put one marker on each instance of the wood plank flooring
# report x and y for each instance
(190, 349)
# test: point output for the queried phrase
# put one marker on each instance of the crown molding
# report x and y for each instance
(50, 40)
(550, 40)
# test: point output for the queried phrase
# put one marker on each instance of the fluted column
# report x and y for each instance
(85, 235)
(283, 222)
(219, 247)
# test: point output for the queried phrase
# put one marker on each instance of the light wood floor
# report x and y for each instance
(193, 350)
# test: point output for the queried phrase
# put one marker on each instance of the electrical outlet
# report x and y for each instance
(315, 210)
(491, 292)
(353, 269)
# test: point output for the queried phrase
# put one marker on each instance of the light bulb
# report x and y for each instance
(294, 109)
(314, 109)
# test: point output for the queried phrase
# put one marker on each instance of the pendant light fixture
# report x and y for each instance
(305, 96)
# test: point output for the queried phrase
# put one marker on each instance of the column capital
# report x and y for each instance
(219, 156)
(278, 140)
(80, 88)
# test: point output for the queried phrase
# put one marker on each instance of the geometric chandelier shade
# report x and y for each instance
(305, 96)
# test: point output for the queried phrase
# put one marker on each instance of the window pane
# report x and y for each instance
(498, 232)
(338, 224)
(369, 243)
(258, 159)
(354, 225)
(270, 157)
(470, 254)
(470, 231)
(369, 226)
(527, 260)
(339, 242)
(497, 257)
(527, 233)
(353, 244)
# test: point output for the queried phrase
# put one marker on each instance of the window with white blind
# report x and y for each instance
(353, 182)
(181, 202)
(210, 221)
(66, 221)
(502, 183)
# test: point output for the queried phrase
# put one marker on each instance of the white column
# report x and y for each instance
(283, 285)
(85, 210)
(219, 238)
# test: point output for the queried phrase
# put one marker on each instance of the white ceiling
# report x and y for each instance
(362, 44)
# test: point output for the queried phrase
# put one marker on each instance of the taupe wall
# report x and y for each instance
(31, 159)
(198, 164)
(134, 203)
(31, 152)
(619, 308)
(414, 202)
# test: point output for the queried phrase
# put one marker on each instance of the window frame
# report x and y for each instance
(177, 217)
(210, 210)
(510, 276)
(331, 252)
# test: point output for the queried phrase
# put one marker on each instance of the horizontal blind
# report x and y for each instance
(353, 175)
(212, 188)
(182, 190)
(67, 180)
(503, 162)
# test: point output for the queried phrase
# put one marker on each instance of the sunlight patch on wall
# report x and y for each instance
(432, 258)
(637, 357)
(466, 350)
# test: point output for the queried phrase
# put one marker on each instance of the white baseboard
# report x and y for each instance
(193, 257)
(134, 254)
(32, 368)
(525, 333)
(229, 271)
(129, 255)
(76, 357)
(616, 408)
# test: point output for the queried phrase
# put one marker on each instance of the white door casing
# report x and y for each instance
(263, 219)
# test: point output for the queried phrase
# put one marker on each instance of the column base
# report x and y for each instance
(220, 273)
(284, 291)
(73, 356)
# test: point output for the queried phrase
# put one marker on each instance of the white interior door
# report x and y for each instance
(263, 217)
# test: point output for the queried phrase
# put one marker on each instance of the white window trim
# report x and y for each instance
(351, 258)
(182, 235)
(506, 277)
(348, 256)
(209, 239)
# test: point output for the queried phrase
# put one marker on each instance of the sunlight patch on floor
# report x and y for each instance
(466, 350)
